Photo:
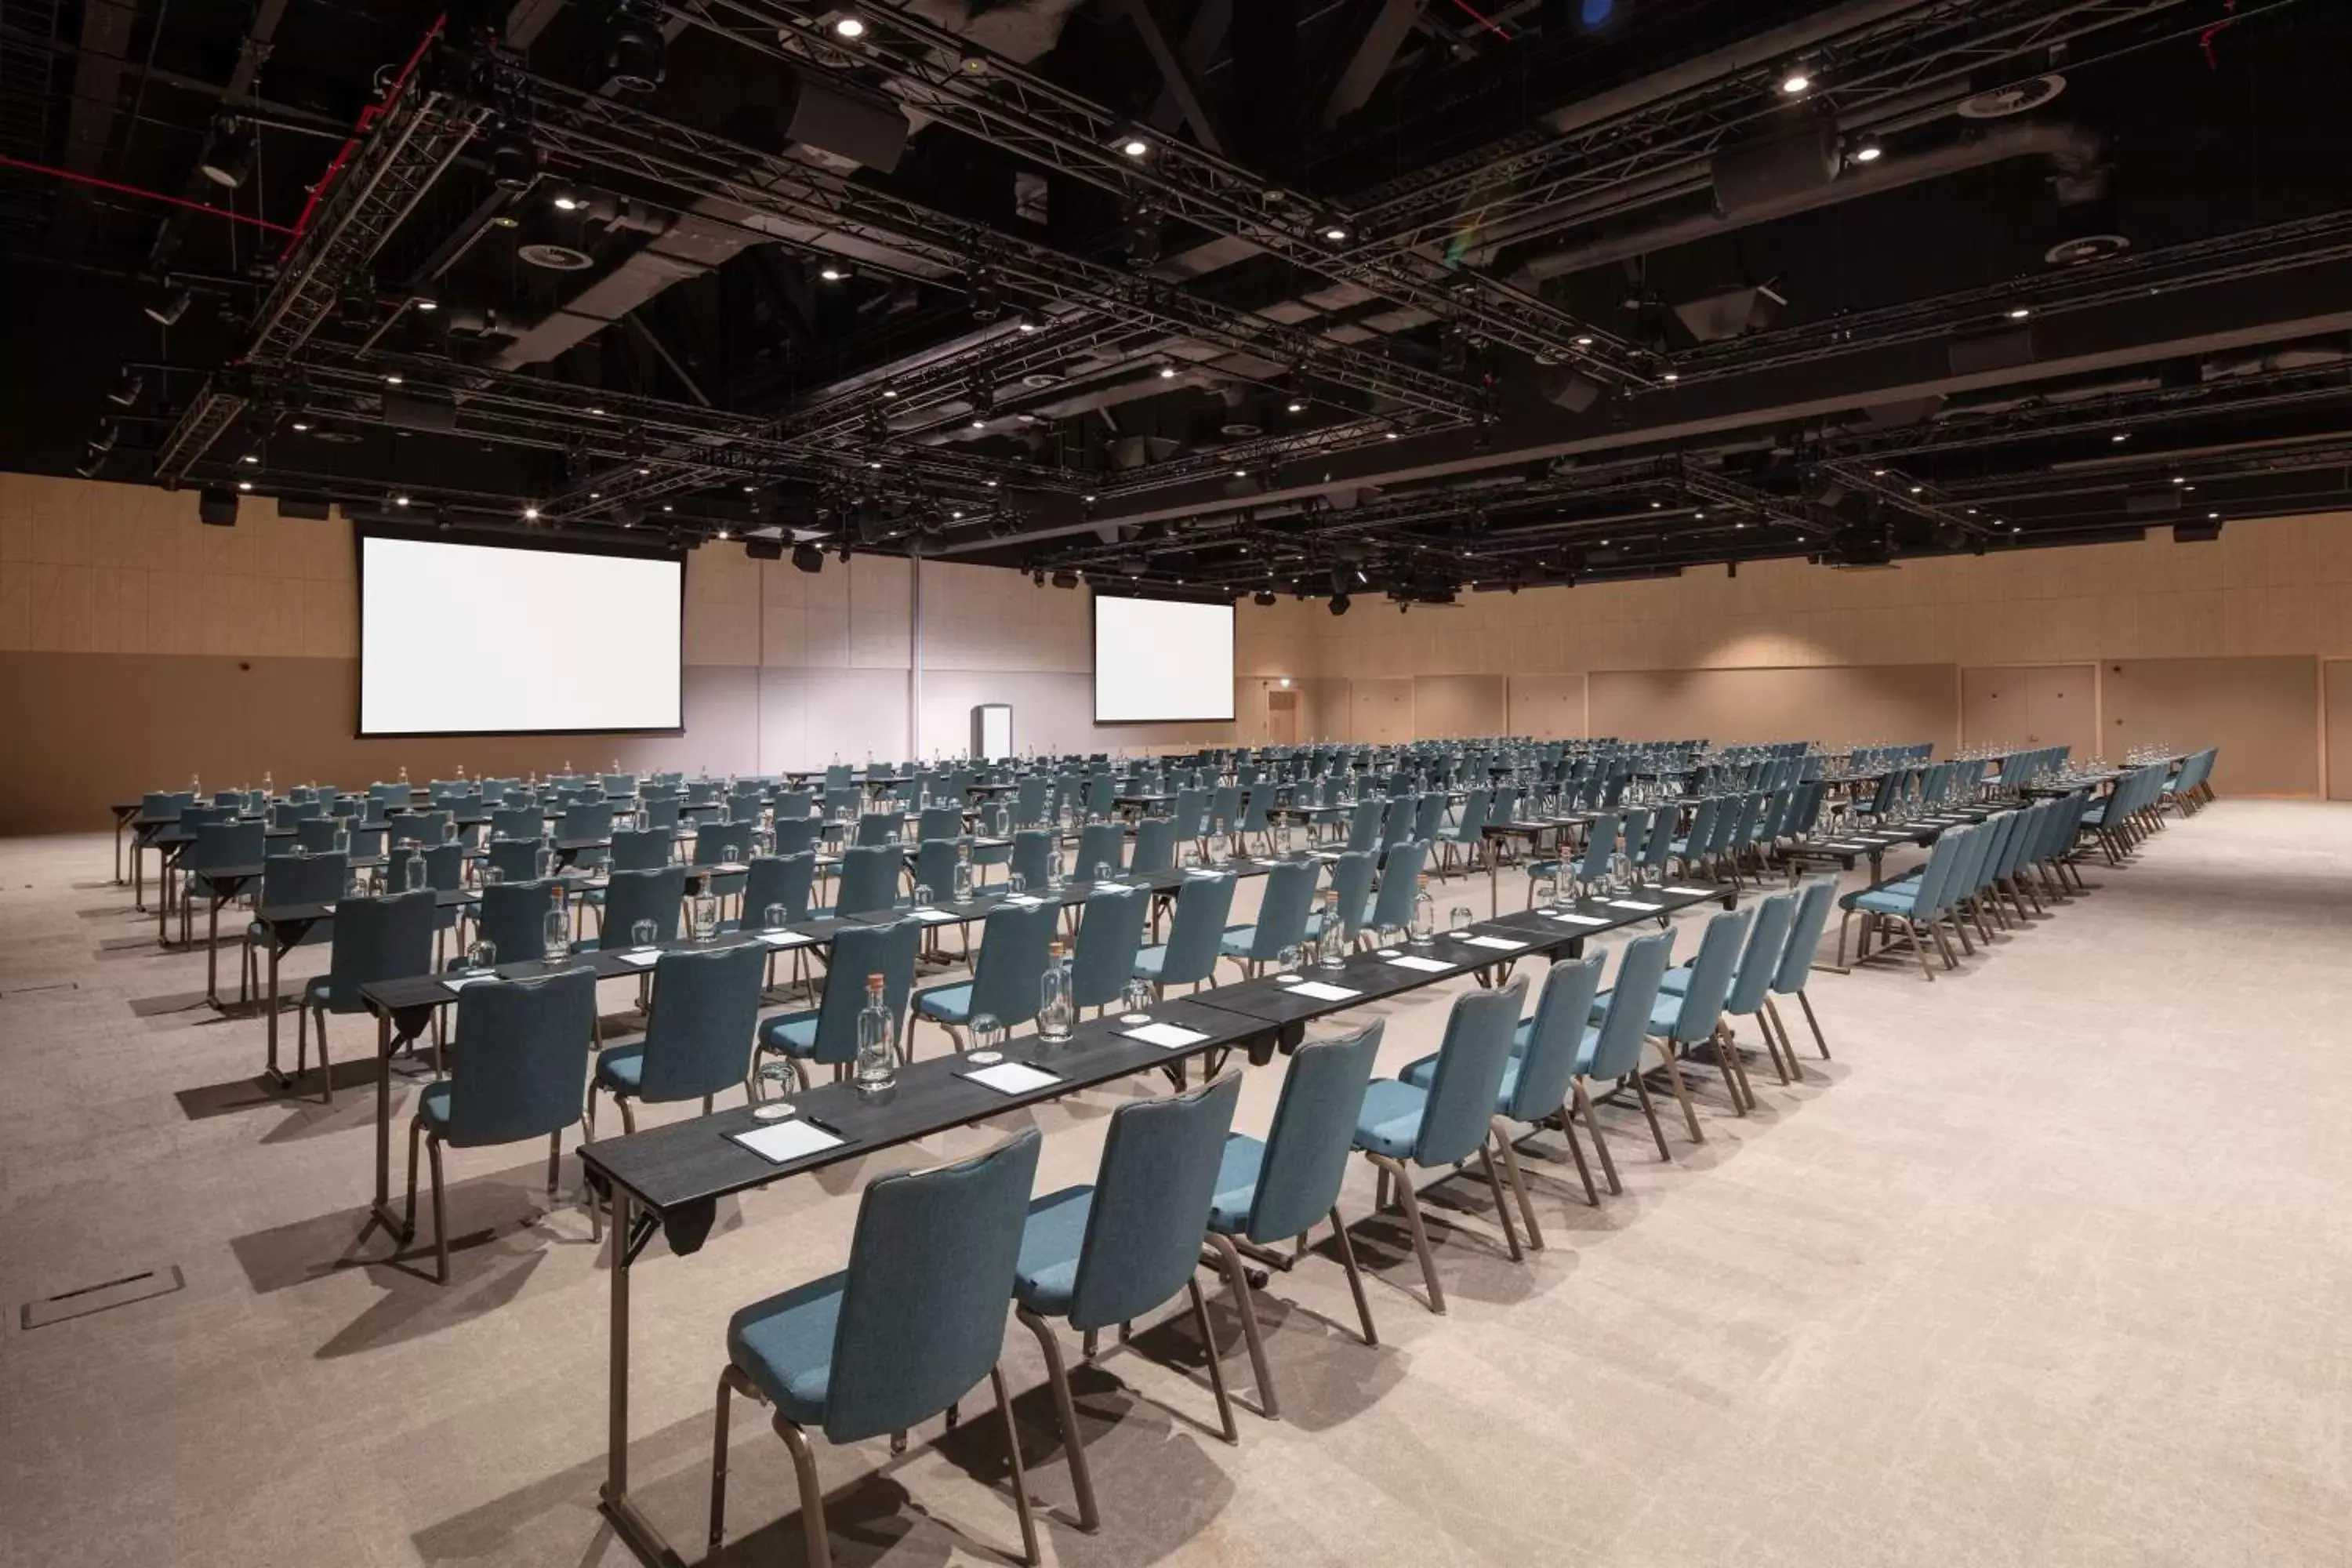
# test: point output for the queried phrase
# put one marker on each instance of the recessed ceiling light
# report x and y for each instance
(2019, 312)
(1671, 375)
(849, 27)
(1167, 372)
(1335, 233)
(400, 500)
(392, 380)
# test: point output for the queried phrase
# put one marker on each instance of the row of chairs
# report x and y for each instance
(2020, 855)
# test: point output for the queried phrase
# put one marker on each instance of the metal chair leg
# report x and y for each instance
(1583, 1102)
(1682, 1090)
(1019, 1471)
(1822, 1045)
(1229, 1259)
(1412, 1204)
(728, 1381)
(1355, 1279)
(1518, 1188)
(1232, 1431)
(1066, 1413)
(819, 1550)
(1642, 1092)
(440, 1214)
(408, 1216)
(554, 1161)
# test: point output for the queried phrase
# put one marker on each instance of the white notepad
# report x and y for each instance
(329, 906)
(1426, 965)
(1642, 904)
(1322, 993)
(1500, 943)
(1023, 901)
(459, 982)
(1013, 1078)
(934, 917)
(785, 1141)
(1687, 890)
(1579, 920)
(640, 958)
(1170, 1037)
(786, 939)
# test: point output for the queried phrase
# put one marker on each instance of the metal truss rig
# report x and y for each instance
(417, 137)
(948, 78)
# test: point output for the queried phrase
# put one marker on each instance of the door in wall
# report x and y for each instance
(2030, 705)
(1281, 717)
(2335, 676)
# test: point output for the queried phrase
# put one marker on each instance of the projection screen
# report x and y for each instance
(1162, 662)
(489, 639)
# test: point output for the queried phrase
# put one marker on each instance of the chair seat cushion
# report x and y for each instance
(1676, 981)
(1237, 1176)
(1881, 901)
(793, 1033)
(315, 991)
(1239, 941)
(951, 1003)
(1046, 1277)
(433, 1107)
(785, 1344)
(1423, 1073)
(1151, 961)
(622, 1069)
(1390, 1122)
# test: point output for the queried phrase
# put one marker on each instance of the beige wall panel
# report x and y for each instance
(1881, 703)
(2030, 705)
(1381, 711)
(1548, 707)
(2338, 689)
(1447, 705)
(2262, 712)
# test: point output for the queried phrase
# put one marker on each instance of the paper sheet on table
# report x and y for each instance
(1322, 993)
(786, 939)
(1013, 1078)
(1579, 920)
(329, 906)
(459, 982)
(1690, 891)
(934, 917)
(1500, 943)
(640, 957)
(1426, 965)
(1023, 901)
(1644, 905)
(785, 1141)
(1169, 1036)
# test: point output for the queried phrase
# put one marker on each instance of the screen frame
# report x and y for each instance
(1094, 648)
(493, 538)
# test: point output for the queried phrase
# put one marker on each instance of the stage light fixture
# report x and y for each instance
(165, 304)
(229, 157)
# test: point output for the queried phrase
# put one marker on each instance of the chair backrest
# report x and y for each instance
(514, 859)
(1471, 1061)
(633, 851)
(1283, 908)
(795, 834)
(934, 864)
(1548, 1065)
(522, 1056)
(1155, 846)
(1429, 816)
(878, 827)
(706, 1007)
(1400, 882)
(859, 951)
(1767, 937)
(718, 843)
(779, 879)
(318, 833)
(1151, 1201)
(1617, 1050)
(1710, 977)
(1100, 844)
(1352, 884)
(512, 918)
(1225, 807)
(1814, 901)
(939, 822)
(1032, 847)
(1396, 827)
(1198, 930)
(586, 819)
(929, 1278)
(1102, 793)
(1014, 944)
(1110, 933)
(1599, 848)
(1029, 801)
(633, 896)
(1473, 816)
(444, 865)
(1364, 823)
(1312, 1134)
(221, 844)
(1255, 809)
(302, 879)
(379, 939)
(868, 883)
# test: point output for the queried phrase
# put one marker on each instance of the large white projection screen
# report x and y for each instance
(1162, 662)
(476, 640)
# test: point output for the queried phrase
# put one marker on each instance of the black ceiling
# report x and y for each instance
(1210, 295)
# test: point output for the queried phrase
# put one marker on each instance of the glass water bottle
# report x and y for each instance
(962, 887)
(1055, 1011)
(1425, 916)
(877, 1042)
(1331, 941)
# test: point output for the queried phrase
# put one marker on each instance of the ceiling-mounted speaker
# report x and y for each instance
(764, 549)
(421, 411)
(864, 128)
(1565, 388)
(1789, 163)
(1729, 314)
(217, 507)
(2204, 533)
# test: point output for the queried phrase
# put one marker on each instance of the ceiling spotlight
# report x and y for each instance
(667, 507)
(1025, 325)
(1867, 150)
(245, 484)
(2120, 436)
(301, 426)
(888, 392)
(957, 515)
(1339, 604)
(1797, 79)
(1241, 473)
(1917, 489)
(126, 391)
(2179, 479)
(1297, 405)
(831, 274)
(849, 26)
(255, 458)
(1335, 233)
(1135, 147)
(1584, 340)
(808, 558)
(2019, 313)
(1265, 597)
(2213, 516)
(400, 500)
(1389, 436)
(991, 484)
(229, 156)
(392, 378)
(1167, 372)
(564, 199)
(166, 305)
(597, 411)
(1878, 473)
(426, 302)
(724, 534)
(1671, 375)
(979, 423)
(1657, 506)
(531, 514)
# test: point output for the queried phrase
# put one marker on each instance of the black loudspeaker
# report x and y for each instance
(764, 549)
(434, 412)
(217, 507)
(1566, 388)
(864, 129)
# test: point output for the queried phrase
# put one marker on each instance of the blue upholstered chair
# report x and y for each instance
(827, 1032)
(1155, 846)
(1391, 906)
(1100, 844)
(1189, 957)
(1013, 947)
(1460, 846)
(375, 939)
(1403, 1125)
(1110, 933)
(1914, 904)
(699, 1033)
(1611, 1050)
(868, 882)
(521, 1051)
(904, 1332)
(512, 918)
(289, 879)
(1273, 1191)
(1282, 912)
(1677, 1022)
(1789, 977)
(633, 896)
(1104, 1255)
(1351, 890)
(634, 851)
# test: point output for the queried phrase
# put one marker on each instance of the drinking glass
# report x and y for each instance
(1458, 918)
(1135, 997)
(449, 832)
(705, 917)
(985, 1041)
(1102, 872)
(482, 956)
(342, 840)
(1285, 961)
(1015, 885)
(492, 876)
(774, 917)
(543, 862)
(644, 934)
(774, 1074)
(412, 872)
(558, 937)
(922, 896)
(1544, 888)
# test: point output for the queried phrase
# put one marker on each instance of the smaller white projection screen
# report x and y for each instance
(471, 639)
(1162, 662)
